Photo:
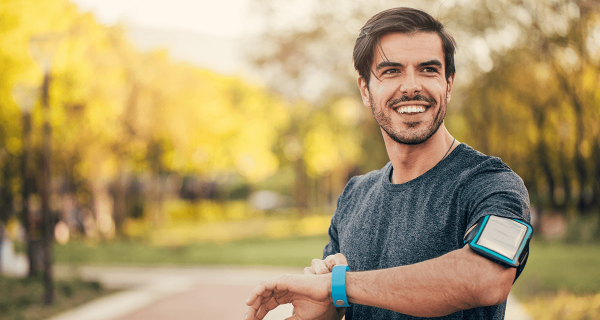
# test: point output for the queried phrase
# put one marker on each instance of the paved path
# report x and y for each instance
(199, 293)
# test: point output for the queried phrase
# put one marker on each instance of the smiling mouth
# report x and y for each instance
(411, 109)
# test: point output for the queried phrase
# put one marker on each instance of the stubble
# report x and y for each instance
(413, 134)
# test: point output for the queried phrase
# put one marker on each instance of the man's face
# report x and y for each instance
(408, 91)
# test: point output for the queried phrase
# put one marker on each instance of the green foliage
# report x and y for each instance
(525, 90)
(116, 110)
(537, 107)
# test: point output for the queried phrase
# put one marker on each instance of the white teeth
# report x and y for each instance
(411, 109)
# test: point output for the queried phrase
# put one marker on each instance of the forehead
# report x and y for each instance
(409, 48)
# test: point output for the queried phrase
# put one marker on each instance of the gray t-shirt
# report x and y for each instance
(380, 225)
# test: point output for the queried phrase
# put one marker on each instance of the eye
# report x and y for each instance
(391, 71)
(430, 69)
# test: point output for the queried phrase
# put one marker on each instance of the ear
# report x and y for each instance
(364, 91)
(449, 88)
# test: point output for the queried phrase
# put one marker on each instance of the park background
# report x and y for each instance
(129, 145)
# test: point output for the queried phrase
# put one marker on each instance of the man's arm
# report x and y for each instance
(458, 280)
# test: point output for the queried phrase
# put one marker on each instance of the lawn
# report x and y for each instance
(25, 299)
(561, 281)
(552, 267)
(555, 267)
(294, 251)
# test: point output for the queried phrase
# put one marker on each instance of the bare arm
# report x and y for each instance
(458, 280)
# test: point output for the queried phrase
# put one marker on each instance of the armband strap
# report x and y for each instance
(338, 286)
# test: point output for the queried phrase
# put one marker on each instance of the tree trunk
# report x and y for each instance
(45, 185)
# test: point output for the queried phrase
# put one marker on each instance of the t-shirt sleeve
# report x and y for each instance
(333, 246)
(494, 189)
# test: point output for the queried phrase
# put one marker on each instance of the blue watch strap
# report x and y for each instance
(338, 286)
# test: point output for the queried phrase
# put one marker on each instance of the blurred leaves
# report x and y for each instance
(526, 88)
(526, 91)
(538, 107)
(115, 109)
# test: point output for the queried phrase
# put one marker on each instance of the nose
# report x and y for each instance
(410, 85)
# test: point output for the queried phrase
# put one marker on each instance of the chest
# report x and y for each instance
(393, 229)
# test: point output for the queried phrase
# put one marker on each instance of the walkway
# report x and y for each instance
(199, 293)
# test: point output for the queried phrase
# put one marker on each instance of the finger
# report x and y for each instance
(264, 289)
(319, 266)
(308, 271)
(278, 298)
(266, 307)
(255, 294)
(335, 260)
(340, 259)
(251, 313)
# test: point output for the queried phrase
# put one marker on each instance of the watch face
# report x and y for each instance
(503, 236)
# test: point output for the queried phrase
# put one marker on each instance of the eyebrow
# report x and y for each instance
(432, 62)
(385, 64)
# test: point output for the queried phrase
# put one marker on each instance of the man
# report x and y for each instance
(401, 229)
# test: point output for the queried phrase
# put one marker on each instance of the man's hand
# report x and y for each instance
(309, 294)
(318, 266)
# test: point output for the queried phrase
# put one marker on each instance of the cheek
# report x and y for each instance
(385, 92)
(438, 90)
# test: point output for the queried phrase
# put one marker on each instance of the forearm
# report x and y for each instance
(456, 281)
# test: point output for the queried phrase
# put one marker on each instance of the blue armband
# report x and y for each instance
(338, 286)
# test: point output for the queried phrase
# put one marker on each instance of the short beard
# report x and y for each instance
(410, 138)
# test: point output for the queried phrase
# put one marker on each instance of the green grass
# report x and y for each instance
(561, 281)
(552, 267)
(21, 299)
(295, 251)
(555, 267)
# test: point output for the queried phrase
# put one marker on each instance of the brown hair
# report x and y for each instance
(400, 20)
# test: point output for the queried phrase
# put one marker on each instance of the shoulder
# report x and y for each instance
(487, 181)
(473, 164)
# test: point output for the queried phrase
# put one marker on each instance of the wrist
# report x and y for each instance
(327, 278)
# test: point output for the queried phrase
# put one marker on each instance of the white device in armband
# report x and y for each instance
(502, 240)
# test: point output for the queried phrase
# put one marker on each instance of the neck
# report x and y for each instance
(411, 161)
